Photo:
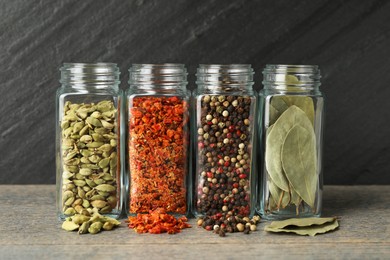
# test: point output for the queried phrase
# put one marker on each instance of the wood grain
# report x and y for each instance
(29, 228)
(348, 39)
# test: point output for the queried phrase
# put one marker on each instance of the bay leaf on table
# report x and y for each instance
(300, 163)
(310, 230)
(274, 142)
(300, 222)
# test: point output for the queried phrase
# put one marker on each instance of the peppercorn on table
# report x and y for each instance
(29, 228)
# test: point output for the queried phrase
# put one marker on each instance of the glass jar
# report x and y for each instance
(290, 130)
(158, 139)
(224, 120)
(88, 147)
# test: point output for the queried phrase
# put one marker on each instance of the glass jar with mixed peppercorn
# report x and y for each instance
(290, 129)
(158, 139)
(223, 136)
(88, 147)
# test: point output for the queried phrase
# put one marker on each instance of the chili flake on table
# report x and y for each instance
(157, 222)
(158, 152)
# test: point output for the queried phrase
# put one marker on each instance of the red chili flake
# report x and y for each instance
(157, 222)
(158, 151)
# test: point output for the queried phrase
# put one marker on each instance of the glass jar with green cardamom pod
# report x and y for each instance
(88, 145)
(290, 133)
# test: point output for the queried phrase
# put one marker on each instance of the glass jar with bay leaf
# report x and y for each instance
(224, 120)
(88, 145)
(290, 134)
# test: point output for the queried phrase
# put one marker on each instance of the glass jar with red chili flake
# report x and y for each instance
(224, 123)
(158, 139)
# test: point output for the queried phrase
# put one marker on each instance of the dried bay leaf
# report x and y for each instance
(281, 198)
(300, 222)
(295, 198)
(300, 163)
(303, 226)
(303, 102)
(276, 108)
(279, 104)
(275, 139)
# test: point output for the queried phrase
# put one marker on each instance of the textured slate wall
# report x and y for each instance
(350, 40)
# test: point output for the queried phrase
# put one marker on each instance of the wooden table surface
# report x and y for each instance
(29, 228)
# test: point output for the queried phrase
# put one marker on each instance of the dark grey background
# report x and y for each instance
(349, 40)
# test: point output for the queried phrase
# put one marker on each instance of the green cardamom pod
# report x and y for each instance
(69, 201)
(94, 158)
(98, 137)
(110, 136)
(97, 197)
(72, 162)
(80, 192)
(112, 201)
(99, 181)
(78, 208)
(85, 152)
(109, 114)
(96, 114)
(104, 162)
(66, 195)
(106, 124)
(106, 209)
(95, 227)
(105, 148)
(90, 166)
(79, 183)
(86, 139)
(67, 132)
(65, 124)
(101, 130)
(108, 226)
(104, 106)
(94, 144)
(106, 154)
(86, 204)
(69, 226)
(78, 126)
(105, 188)
(90, 183)
(84, 160)
(69, 211)
(84, 130)
(98, 204)
(93, 121)
(79, 219)
(85, 171)
(83, 229)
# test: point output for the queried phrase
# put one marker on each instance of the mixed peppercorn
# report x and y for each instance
(222, 223)
(224, 136)
(224, 155)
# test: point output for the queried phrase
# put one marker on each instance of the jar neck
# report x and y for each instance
(90, 75)
(292, 78)
(162, 78)
(225, 78)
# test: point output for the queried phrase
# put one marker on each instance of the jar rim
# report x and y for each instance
(293, 76)
(80, 74)
(164, 74)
